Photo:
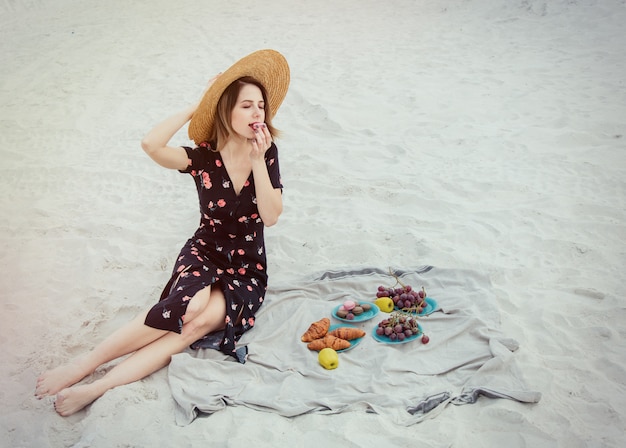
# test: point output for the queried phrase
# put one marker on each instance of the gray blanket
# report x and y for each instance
(466, 357)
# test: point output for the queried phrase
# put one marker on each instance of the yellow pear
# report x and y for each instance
(385, 304)
(328, 358)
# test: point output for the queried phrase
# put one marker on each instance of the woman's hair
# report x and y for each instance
(222, 128)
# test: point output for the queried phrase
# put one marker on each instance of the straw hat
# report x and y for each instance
(269, 67)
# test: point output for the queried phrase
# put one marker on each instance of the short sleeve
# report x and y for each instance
(198, 158)
(273, 168)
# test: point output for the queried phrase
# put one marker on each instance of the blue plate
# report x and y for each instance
(366, 315)
(431, 306)
(353, 342)
(386, 340)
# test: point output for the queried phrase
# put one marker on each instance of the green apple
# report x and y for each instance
(328, 358)
(385, 304)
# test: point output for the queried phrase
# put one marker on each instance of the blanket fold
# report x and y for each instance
(467, 356)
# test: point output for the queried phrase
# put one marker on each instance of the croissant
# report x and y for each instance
(316, 330)
(330, 342)
(347, 333)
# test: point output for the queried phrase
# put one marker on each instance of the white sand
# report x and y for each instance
(487, 135)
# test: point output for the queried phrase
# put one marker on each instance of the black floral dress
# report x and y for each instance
(227, 250)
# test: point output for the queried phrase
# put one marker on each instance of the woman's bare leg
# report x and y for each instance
(127, 339)
(203, 316)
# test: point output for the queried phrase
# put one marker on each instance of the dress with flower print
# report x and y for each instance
(227, 250)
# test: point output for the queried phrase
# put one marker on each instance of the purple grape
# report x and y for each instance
(398, 329)
(388, 331)
(382, 288)
(401, 336)
(408, 333)
(407, 303)
(393, 336)
(380, 331)
(408, 288)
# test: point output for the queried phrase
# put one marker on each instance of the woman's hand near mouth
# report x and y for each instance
(261, 142)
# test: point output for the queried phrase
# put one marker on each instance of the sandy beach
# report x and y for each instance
(474, 135)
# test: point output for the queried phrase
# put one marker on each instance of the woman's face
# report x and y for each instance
(249, 110)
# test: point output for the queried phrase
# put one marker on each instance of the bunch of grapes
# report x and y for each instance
(398, 327)
(405, 297)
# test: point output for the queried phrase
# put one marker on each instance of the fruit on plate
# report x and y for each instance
(398, 327)
(385, 304)
(316, 330)
(328, 358)
(405, 297)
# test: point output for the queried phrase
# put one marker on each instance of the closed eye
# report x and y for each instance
(247, 104)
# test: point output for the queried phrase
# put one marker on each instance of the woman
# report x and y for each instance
(219, 279)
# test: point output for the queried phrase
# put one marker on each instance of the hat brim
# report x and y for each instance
(269, 67)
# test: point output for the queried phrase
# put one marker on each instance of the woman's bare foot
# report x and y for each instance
(53, 381)
(73, 399)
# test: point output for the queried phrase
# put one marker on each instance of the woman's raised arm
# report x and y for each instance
(155, 143)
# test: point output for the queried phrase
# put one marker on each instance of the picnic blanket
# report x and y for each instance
(467, 356)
